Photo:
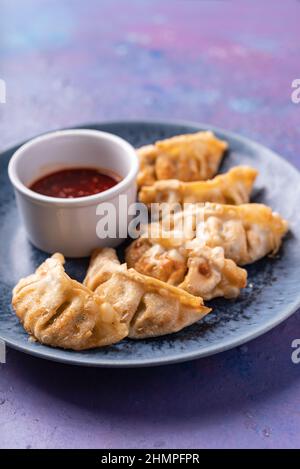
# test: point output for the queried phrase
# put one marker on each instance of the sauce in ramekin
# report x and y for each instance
(71, 183)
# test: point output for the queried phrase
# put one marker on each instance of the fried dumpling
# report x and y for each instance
(200, 270)
(211, 275)
(233, 187)
(246, 232)
(149, 307)
(187, 157)
(61, 312)
(114, 303)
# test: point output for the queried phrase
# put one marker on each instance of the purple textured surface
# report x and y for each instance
(230, 64)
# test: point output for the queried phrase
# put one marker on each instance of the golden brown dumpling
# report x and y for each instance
(200, 270)
(233, 187)
(211, 275)
(246, 232)
(149, 307)
(188, 157)
(61, 312)
(114, 303)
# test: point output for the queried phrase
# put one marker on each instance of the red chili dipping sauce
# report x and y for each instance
(74, 182)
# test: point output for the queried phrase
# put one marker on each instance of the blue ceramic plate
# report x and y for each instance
(272, 294)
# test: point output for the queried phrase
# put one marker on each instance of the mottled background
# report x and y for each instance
(227, 63)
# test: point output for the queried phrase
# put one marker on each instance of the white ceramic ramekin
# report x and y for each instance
(69, 225)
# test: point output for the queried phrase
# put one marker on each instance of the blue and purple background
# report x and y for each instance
(227, 63)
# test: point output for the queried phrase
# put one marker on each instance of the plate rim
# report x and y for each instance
(183, 356)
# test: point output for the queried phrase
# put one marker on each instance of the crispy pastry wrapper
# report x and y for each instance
(196, 268)
(187, 157)
(233, 187)
(246, 232)
(200, 249)
(149, 306)
(113, 303)
(61, 312)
